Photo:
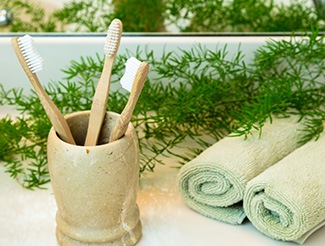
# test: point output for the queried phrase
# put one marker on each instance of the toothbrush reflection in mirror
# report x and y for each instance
(98, 107)
(32, 62)
(133, 80)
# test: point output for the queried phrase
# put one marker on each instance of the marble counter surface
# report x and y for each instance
(28, 217)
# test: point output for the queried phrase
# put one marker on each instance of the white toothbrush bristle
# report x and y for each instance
(131, 68)
(113, 38)
(32, 57)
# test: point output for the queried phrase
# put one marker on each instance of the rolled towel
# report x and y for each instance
(287, 201)
(213, 183)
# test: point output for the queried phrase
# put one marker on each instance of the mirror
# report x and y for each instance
(167, 16)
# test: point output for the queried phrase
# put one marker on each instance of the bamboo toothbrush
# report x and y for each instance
(133, 80)
(98, 107)
(32, 62)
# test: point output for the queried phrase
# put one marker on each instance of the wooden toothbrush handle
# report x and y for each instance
(58, 121)
(99, 104)
(123, 120)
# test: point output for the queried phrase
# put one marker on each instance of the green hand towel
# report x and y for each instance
(287, 201)
(213, 183)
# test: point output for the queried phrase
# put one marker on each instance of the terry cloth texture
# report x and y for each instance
(213, 183)
(287, 201)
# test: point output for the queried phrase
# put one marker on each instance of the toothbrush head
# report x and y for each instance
(33, 59)
(113, 38)
(131, 67)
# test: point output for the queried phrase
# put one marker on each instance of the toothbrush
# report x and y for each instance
(32, 62)
(98, 107)
(133, 80)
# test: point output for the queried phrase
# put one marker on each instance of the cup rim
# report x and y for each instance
(70, 115)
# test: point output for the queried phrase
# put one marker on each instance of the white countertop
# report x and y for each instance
(28, 217)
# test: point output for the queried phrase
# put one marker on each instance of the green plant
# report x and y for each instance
(140, 16)
(197, 95)
(28, 17)
(290, 78)
(162, 15)
(95, 16)
(294, 17)
(243, 16)
(85, 15)
(320, 8)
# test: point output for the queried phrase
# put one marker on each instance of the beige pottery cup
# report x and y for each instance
(95, 187)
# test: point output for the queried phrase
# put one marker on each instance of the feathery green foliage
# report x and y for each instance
(197, 96)
(161, 15)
